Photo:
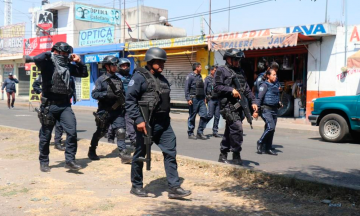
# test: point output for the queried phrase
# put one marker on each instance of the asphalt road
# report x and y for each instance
(301, 153)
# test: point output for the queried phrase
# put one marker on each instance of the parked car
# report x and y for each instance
(338, 117)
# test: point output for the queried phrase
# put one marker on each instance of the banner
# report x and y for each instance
(45, 20)
(97, 36)
(11, 40)
(85, 85)
(34, 72)
(98, 57)
(96, 14)
(274, 41)
(35, 46)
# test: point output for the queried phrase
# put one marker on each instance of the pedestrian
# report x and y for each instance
(10, 86)
(230, 84)
(195, 96)
(212, 101)
(269, 102)
(125, 76)
(57, 67)
(58, 128)
(147, 86)
(111, 110)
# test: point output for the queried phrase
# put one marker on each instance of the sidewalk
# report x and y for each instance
(283, 123)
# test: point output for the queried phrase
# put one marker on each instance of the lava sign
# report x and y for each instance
(45, 20)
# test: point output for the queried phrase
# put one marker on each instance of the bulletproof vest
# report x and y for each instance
(240, 77)
(272, 95)
(210, 89)
(118, 84)
(157, 92)
(58, 86)
(199, 88)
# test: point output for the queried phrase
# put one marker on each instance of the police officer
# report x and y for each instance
(146, 85)
(227, 77)
(110, 110)
(262, 68)
(212, 101)
(125, 76)
(195, 96)
(56, 68)
(58, 128)
(269, 103)
(9, 84)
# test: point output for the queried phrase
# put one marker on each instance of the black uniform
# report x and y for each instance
(194, 90)
(224, 85)
(269, 103)
(142, 89)
(58, 128)
(57, 91)
(213, 103)
(115, 117)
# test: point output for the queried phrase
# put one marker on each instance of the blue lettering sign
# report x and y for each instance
(307, 29)
(98, 57)
(95, 14)
(98, 36)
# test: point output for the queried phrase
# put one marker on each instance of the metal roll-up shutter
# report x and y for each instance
(177, 67)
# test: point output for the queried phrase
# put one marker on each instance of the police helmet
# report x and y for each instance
(110, 60)
(155, 53)
(261, 66)
(124, 61)
(62, 47)
(234, 53)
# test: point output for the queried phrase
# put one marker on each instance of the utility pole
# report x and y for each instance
(138, 19)
(326, 9)
(209, 36)
(8, 12)
(124, 20)
(346, 26)
(229, 18)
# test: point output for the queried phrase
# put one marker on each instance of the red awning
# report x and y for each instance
(353, 61)
(255, 43)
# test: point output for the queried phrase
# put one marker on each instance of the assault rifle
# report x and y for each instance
(120, 102)
(242, 101)
(144, 109)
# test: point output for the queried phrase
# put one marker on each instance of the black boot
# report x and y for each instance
(178, 192)
(223, 158)
(125, 156)
(192, 136)
(44, 168)
(140, 192)
(59, 147)
(201, 136)
(111, 141)
(92, 154)
(72, 165)
(236, 158)
(259, 147)
(271, 152)
(217, 135)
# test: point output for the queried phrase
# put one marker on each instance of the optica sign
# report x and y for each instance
(96, 36)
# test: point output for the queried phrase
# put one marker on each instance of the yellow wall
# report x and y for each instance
(202, 57)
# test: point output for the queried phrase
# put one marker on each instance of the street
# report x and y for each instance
(301, 153)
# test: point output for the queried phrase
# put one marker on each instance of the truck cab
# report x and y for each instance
(337, 117)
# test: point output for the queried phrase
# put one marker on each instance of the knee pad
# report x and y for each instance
(121, 134)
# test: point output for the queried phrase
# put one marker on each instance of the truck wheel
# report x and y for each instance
(333, 128)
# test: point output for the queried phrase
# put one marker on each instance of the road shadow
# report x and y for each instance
(348, 141)
(158, 186)
(211, 136)
(80, 131)
(250, 164)
(83, 162)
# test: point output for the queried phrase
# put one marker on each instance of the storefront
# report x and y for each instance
(289, 47)
(92, 57)
(181, 54)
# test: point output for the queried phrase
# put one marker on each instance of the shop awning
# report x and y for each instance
(353, 61)
(99, 49)
(268, 42)
(167, 53)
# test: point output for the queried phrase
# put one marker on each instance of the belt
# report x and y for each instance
(57, 102)
(269, 107)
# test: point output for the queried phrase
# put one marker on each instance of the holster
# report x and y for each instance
(101, 119)
(229, 115)
(45, 117)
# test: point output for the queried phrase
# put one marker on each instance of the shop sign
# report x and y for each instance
(97, 36)
(96, 14)
(98, 57)
(11, 40)
(34, 73)
(239, 35)
(314, 29)
(35, 46)
(355, 34)
(85, 85)
(168, 43)
(45, 20)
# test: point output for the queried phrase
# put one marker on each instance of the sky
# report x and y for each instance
(271, 14)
